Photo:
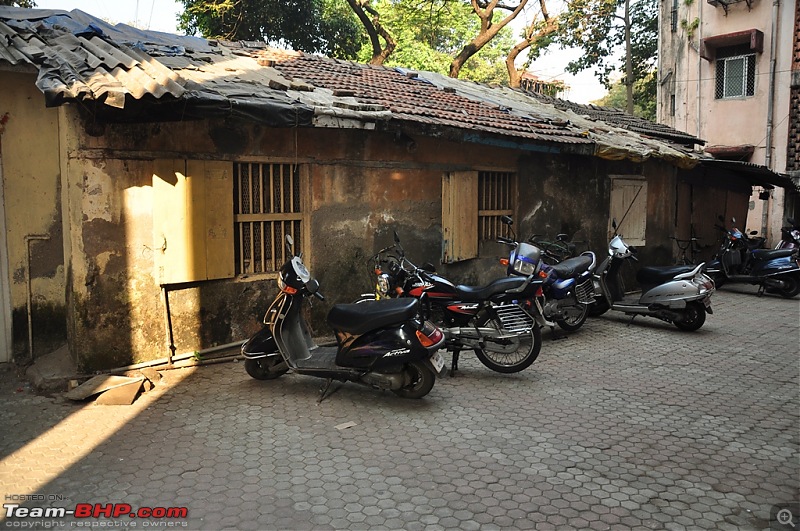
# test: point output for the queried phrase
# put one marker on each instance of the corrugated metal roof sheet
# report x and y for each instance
(80, 57)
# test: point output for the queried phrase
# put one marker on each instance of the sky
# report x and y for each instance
(161, 15)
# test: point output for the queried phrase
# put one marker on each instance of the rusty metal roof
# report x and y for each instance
(128, 74)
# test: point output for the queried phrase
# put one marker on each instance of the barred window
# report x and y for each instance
(495, 199)
(736, 76)
(267, 206)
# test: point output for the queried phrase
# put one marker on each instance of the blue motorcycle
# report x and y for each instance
(568, 288)
(773, 270)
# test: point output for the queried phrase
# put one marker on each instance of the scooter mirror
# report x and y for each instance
(561, 237)
(290, 243)
(506, 220)
(396, 237)
(733, 220)
(614, 224)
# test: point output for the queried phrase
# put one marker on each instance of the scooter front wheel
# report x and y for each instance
(515, 356)
(422, 380)
(265, 368)
(693, 317)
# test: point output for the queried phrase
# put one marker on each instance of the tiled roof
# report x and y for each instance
(123, 71)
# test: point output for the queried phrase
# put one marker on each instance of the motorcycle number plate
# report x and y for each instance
(438, 361)
(707, 302)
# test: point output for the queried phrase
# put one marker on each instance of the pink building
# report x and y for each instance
(729, 73)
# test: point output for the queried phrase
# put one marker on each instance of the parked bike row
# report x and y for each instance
(391, 339)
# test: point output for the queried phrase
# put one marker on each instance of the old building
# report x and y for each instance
(726, 75)
(148, 181)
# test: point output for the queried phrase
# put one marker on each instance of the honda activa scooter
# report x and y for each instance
(680, 295)
(382, 344)
(773, 270)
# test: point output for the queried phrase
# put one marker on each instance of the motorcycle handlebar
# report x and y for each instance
(319, 295)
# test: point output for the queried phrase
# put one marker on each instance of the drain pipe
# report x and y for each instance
(773, 50)
(28, 239)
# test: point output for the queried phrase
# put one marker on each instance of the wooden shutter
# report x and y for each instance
(459, 216)
(629, 209)
(193, 220)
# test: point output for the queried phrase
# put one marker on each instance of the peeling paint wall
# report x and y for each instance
(32, 185)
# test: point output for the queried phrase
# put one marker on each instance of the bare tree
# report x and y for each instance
(534, 31)
(485, 11)
(374, 30)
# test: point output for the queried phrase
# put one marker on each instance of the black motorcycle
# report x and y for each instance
(383, 344)
(490, 320)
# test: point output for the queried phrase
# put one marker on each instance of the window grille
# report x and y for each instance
(736, 76)
(495, 199)
(267, 206)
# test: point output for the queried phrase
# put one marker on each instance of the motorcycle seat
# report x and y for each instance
(651, 275)
(482, 293)
(771, 254)
(370, 315)
(572, 267)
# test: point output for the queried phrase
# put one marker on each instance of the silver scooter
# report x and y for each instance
(680, 295)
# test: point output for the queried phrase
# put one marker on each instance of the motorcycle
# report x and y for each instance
(568, 289)
(486, 319)
(790, 236)
(383, 344)
(773, 270)
(680, 295)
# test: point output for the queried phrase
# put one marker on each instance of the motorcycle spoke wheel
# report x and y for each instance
(264, 368)
(693, 317)
(422, 380)
(517, 356)
(571, 324)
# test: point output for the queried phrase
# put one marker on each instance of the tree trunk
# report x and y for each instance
(374, 30)
(514, 76)
(487, 32)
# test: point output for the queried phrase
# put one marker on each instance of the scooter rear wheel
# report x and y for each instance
(264, 368)
(573, 323)
(791, 286)
(422, 380)
(525, 347)
(693, 317)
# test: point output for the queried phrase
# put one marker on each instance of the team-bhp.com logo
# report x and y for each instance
(94, 510)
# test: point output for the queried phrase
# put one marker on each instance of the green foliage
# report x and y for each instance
(18, 3)
(316, 26)
(644, 97)
(597, 27)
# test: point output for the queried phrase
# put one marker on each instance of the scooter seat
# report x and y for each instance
(771, 254)
(651, 275)
(370, 315)
(482, 293)
(572, 267)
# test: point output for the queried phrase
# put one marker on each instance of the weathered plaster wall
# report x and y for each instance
(31, 178)
(363, 185)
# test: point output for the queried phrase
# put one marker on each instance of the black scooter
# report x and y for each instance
(383, 344)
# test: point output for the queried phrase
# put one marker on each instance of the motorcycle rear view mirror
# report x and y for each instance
(506, 220)
(396, 237)
(290, 243)
(561, 237)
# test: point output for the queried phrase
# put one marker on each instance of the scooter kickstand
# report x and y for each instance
(454, 364)
(324, 391)
(631, 321)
